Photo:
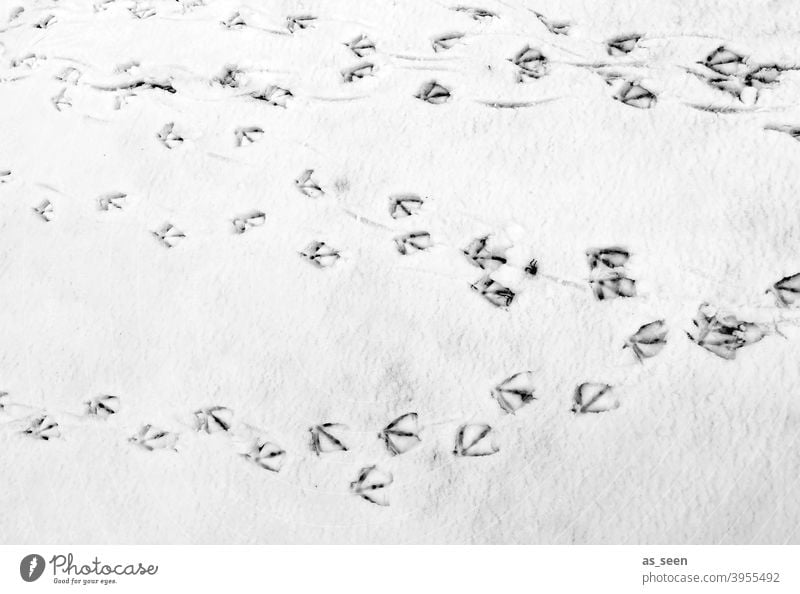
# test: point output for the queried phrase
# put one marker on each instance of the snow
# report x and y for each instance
(700, 449)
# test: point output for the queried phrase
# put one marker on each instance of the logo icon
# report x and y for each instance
(31, 567)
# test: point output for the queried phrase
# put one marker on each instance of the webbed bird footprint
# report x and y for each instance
(61, 101)
(168, 137)
(648, 340)
(43, 427)
(320, 254)
(629, 92)
(532, 64)
(722, 334)
(787, 290)
(560, 27)
(358, 72)
(152, 438)
(45, 210)
(169, 235)
(265, 454)
(404, 205)
(361, 46)
(494, 292)
(306, 184)
(274, 95)
(234, 21)
(416, 241)
(248, 135)
(370, 484)
(103, 406)
(213, 419)
(112, 200)
(255, 218)
(483, 255)
(515, 391)
(476, 14)
(298, 23)
(474, 440)
(608, 277)
(401, 434)
(434, 93)
(726, 62)
(142, 12)
(323, 440)
(622, 45)
(594, 398)
(446, 41)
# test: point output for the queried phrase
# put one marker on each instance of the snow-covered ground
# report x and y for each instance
(691, 168)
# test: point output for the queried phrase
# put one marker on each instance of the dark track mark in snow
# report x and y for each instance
(446, 41)
(632, 93)
(168, 137)
(722, 334)
(3, 401)
(274, 95)
(254, 218)
(248, 135)
(404, 205)
(61, 101)
(43, 427)
(370, 484)
(44, 210)
(648, 340)
(320, 254)
(594, 398)
(229, 77)
(152, 438)
(5, 176)
(401, 434)
(532, 268)
(266, 454)
(515, 391)
(300, 22)
(113, 199)
(323, 440)
(622, 45)
(416, 241)
(103, 406)
(234, 21)
(787, 290)
(358, 72)
(476, 14)
(531, 64)
(213, 419)
(726, 62)
(473, 440)
(307, 185)
(494, 292)
(142, 12)
(28, 61)
(433, 92)
(555, 27)
(45, 22)
(361, 46)
(69, 75)
(608, 278)
(484, 256)
(169, 235)
(793, 131)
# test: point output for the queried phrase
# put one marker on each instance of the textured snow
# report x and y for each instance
(700, 450)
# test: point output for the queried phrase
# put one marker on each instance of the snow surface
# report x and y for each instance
(700, 450)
